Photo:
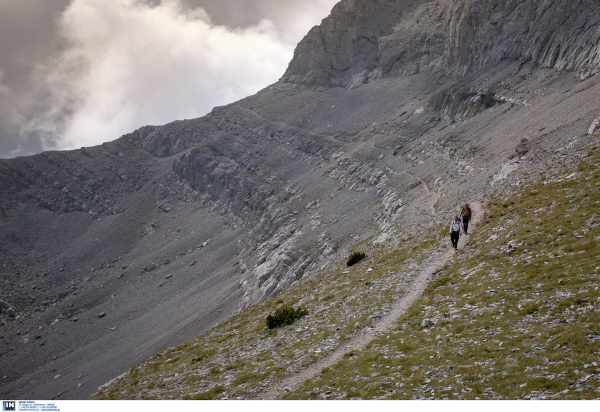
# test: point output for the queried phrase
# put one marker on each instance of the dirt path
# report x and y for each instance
(433, 196)
(420, 180)
(277, 389)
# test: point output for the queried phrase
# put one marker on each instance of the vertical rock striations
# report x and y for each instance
(364, 40)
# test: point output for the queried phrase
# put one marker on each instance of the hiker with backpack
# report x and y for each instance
(455, 230)
(465, 214)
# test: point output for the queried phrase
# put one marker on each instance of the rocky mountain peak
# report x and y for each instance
(365, 40)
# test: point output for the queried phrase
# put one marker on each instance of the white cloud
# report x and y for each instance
(129, 64)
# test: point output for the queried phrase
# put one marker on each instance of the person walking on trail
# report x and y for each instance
(465, 214)
(455, 230)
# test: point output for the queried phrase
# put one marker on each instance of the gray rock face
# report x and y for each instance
(594, 126)
(363, 40)
(89, 180)
(169, 230)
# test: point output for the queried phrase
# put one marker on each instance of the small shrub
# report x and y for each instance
(285, 316)
(355, 258)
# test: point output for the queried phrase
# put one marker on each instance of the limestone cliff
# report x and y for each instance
(364, 40)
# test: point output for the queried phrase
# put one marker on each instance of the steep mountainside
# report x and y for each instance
(364, 40)
(513, 315)
(390, 115)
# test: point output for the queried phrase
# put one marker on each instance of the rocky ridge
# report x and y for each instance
(386, 38)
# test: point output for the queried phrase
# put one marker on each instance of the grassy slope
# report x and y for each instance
(507, 325)
(518, 324)
(234, 357)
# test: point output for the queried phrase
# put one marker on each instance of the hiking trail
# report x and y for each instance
(277, 389)
(433, 196)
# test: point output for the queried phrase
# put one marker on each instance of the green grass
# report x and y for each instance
(242, 352)
(509, 325)
(207, 395)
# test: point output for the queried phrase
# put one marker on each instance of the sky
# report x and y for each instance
(77, 73)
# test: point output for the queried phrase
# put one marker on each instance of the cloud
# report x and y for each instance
(10, 118)
(129, 63)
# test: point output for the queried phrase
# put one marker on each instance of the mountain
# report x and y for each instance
(513, 314)
(366, 40)
(390, 114)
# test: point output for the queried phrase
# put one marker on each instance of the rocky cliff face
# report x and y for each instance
(390, 114)
(364, 40)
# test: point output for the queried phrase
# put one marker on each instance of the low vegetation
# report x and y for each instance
(515, 316)
(237, 357)
(285, 316)
(355, 258)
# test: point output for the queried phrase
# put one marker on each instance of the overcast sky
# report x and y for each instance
(79, 73)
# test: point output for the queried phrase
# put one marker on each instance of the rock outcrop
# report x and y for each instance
(363, 40)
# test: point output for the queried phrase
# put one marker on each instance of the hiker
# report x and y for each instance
(465, 214)
(455, 232)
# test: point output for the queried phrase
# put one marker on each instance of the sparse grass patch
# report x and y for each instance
(520, 326)
(440, 282)
(339, 304)
(529, 309)
(208, 395)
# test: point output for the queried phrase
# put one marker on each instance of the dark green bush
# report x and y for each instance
(285, 316)
(355, 258)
